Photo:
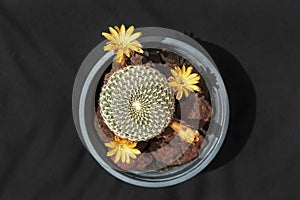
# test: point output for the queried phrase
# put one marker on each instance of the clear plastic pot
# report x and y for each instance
(83, 104)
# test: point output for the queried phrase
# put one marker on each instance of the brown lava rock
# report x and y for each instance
(137, 59)
(167, 154)
(172, 59)
(115, 67)
(104, 133)
(201, 110)
(191, 152)
(140, 163)
(161, 140)
(195, 111)
(143, 161)
(196, 107)
(177, 151)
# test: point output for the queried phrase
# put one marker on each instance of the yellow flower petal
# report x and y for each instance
(122, 34)
(193, 76)
(174, 73)
(196, 80)
(195, 87)
(173, 84)
(175, 126)
(183, 70)
(177, 69)
(118, 156)
(132, 145)
(134, 48)
(179, 94)
(185, 132)
(134, 45)
(127, 52)
(117, 139)
(132, 156)
(123, 157)
(186, 92)
(117, 28)
(107, 36)
(171, 79)
(120, 56)
(135, 36)
(139, 50)
(109, 145)
(122, 29)
(114, 33)
(135, 151)
(188, 71)
(129, 32)
(112, 152)
(109, 47)
(127, 159)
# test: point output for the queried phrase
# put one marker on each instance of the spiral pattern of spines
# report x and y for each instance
(137, 103)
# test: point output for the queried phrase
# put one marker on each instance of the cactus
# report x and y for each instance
(137, 103)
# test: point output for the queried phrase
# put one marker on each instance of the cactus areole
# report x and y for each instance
(137, 103)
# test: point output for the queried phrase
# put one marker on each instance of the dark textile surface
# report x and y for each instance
(255, 45)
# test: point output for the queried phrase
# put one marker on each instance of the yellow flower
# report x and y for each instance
(122, 149)
(183, 81)
(122, 42)
(186, 133)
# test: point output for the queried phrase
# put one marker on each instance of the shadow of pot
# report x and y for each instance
(242, 98)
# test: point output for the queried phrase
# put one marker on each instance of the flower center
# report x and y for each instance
(137, 106)
(181, 81)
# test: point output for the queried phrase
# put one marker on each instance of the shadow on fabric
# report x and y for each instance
(242, 99)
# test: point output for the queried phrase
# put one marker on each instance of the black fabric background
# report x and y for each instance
(255, 44)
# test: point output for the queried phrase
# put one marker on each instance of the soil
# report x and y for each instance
(167, 149)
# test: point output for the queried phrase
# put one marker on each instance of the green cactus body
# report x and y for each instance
(137, 103)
